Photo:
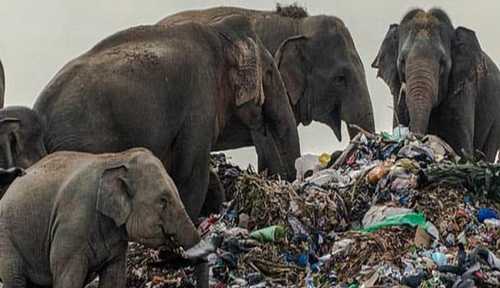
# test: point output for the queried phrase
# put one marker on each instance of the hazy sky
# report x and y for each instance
(38, 37)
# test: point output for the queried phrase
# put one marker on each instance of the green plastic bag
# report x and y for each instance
(412, 219)
(269, 234)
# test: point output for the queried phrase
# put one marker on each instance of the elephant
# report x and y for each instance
(325, 87)
(442, 82)
(73, 214)
(21, 141)
(172, 90)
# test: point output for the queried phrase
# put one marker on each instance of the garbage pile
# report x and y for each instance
(392, 209)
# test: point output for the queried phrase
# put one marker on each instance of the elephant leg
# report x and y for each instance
(69, 267)
(114, 274)
(491, 144)
(268, 156)
(190, 166)
(11, 266)
(216, 195)
(267, 152)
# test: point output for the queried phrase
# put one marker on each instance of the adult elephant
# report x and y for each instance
(318, 62)
(442, 82)
(172, 90)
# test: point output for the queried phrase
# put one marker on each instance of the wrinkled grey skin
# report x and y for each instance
(2, 86)
(87, 209)
(319, 64)
(172, 90)
(21, 142)
(442, 82)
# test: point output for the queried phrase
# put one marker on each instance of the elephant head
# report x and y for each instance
(426, 62)
(324, 75)
(21, 141)
(136, 192)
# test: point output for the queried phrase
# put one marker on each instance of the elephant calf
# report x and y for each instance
(73, 214)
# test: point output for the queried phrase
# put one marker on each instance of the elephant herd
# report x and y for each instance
(157, 99)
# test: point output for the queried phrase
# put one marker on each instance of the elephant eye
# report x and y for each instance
(163, 203)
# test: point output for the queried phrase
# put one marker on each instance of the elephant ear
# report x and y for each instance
(246, 76)
(386, 60)
(290, 61)
(114, 195)
(468, 60)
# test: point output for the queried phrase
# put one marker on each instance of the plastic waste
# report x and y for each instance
(487, 256)
(411, 219)
(399, 134)
(299, 231)
(378, 213)
(414, 281)
(379, 172)
(328, 176)
(486, 213)
(342, 246)
(269, 234)
(324, 160)
(323, 216)
(310, 164)
(420, 152)
(492, 222)
(440, 148)
(439, 258)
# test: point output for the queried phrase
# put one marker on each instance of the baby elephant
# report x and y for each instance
(73, 214)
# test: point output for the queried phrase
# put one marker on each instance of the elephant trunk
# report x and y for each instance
(359, 113)
(187, 234)
(422, 90)
(357, 108)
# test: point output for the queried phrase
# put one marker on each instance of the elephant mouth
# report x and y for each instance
(171, 244)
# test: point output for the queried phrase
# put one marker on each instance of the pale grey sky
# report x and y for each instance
(38, 37)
